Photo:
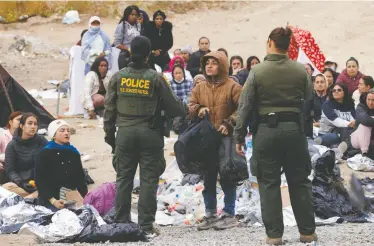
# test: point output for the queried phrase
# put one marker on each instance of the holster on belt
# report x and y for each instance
(273, 119)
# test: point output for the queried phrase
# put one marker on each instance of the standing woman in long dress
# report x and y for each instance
(95, 43)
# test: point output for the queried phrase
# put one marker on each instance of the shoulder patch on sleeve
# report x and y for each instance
(167, 81)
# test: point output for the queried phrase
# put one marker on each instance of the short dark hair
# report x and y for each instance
(203, 37)
(368, 80)
(224, 51)
(281, 37)
(352, 59)
(320, 75)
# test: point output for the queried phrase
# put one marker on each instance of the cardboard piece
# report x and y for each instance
(75, 196)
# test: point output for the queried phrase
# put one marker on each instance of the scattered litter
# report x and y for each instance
(46, 94)
(54, 82)
(71, 17)
(361, 163)
(20, 44)
(23, 18)
(42, 131)
(86, 158)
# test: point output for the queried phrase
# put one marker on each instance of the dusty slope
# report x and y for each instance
(342, 29)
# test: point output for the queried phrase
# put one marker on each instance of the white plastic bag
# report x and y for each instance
(361, 163)
(71, 17)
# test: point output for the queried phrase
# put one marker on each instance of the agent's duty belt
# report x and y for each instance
(281, 117)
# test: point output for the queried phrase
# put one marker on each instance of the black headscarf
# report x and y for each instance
(157, 13)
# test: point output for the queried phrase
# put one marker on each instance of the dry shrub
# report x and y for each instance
(12, 10)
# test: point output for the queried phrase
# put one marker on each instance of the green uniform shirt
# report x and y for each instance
(276, 85)
(132, 97)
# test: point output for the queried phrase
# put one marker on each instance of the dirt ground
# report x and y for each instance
(342, 29)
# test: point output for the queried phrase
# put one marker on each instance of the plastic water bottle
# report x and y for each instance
(249, 147)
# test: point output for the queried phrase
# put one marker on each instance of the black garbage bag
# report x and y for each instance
(109, 217)
(87, 177)
(329, 195)
(180, 124)
(116, 232)
(197, 147)
(191, 179)
(232, 166)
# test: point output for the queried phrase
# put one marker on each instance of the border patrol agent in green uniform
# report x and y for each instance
(272, 101)
(132, 104)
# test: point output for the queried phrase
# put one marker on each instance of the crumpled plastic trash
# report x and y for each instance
(172, 172)
(361, 163)
(71, 17)
(65, 224)
(14, 212)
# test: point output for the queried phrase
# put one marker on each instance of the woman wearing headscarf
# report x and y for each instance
(95, 85)
(198, 79)
(127, 29)
(95, 43)
(243, 74)
(351, 75)
(186, 52)
(160, 33)
(58, 165)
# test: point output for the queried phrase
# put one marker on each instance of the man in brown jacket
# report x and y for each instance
(218, 96)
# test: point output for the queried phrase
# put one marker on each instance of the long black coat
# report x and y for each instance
(160, 38)
(56, 169)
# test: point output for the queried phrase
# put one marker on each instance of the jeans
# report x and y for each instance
(329, 139)
(210, 195)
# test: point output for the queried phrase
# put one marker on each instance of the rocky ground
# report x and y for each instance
(342, 29)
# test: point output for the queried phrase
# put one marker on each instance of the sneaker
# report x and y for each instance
(342, 148)
(226, 222)
(207, 223)
(152, 232)
(308, 238)
(274, 241)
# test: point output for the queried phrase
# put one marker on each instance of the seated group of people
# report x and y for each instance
(344, 109)
(32, 167)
